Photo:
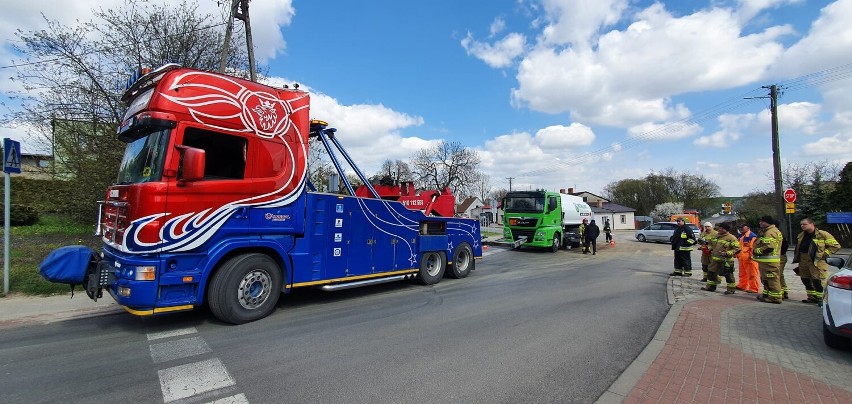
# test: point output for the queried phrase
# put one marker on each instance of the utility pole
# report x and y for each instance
(776, 161)
(239, 10)
(510, 182)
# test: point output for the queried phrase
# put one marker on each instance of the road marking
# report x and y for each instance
(237, 399)
(171, 333)
(193, 378)
(182, 348)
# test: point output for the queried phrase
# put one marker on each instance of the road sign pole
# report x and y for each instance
(6, 234)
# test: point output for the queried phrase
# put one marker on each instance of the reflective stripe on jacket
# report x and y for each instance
(767, 245)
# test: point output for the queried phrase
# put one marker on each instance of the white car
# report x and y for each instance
(662, 232)
(837, 305)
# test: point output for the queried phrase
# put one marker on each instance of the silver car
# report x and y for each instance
(662, 232)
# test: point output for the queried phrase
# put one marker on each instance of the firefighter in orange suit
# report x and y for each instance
(749, 275)
(766, 252)
(723, 250)
(708, 235)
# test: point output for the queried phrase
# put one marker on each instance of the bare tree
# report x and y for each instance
(482, 187)
(446, 164)
(392, 172)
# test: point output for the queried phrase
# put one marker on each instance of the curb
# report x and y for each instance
(621, 387)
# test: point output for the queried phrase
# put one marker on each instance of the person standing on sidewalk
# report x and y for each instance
(749, 275)
(592, 233)
(766, 252)
(708, 235)
(785, 245)
(813, 246)
(683, 241)
(724, 248)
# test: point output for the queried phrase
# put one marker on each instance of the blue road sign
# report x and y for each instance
(838, 217)
(11, 156)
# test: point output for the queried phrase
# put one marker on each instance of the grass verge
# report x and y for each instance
(29, 245)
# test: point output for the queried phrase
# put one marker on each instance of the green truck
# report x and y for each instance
(543, 219)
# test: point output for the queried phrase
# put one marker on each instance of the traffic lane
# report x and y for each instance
(526, 325)
(97, 359)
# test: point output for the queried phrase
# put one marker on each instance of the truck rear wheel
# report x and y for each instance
(432, 267)
(245, 288)
(463, 262)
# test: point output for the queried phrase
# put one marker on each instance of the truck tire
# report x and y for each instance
(432, 267)
(245, 288)
(463, 262)
(557, 241)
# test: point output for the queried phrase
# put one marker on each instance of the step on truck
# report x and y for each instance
(213, 205)
(543, 219)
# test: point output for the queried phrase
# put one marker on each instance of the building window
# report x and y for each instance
(623, 219)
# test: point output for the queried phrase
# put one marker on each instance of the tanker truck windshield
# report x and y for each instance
(143, 158)
(532, 204)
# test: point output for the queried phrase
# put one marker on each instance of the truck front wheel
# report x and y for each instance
(245, 288)
(432, 267)
(554, 247)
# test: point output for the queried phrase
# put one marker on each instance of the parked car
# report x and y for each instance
(662, 232)
(837, 305)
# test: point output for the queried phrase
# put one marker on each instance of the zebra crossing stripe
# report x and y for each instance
(171, 333)
(193, 378)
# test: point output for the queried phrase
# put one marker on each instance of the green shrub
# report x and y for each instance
(19, 215)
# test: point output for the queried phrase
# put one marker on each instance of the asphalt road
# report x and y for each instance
(526, 326)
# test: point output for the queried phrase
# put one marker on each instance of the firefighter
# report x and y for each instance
(749, 275)
(766, 252)
(813, 246)
(708, 235)
(583, 236)
(724, 248)
(683, 241)
(607, 231)
(785, 245)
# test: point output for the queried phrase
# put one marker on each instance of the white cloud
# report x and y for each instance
(826, 45)
(564, 137)
(629, 76)
(497, 26)
(837, 145)
(578, 22)
(497, 55)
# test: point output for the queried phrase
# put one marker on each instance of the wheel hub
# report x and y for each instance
(254, 289)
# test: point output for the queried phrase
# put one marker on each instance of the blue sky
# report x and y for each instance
(558, 93)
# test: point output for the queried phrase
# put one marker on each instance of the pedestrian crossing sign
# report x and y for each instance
(11, 156)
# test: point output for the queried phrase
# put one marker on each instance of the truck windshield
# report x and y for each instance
(524, 204)
(143, 158)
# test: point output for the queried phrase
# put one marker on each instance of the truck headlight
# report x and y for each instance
(146, 273)
(539, 235)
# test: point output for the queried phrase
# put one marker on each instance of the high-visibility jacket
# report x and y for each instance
(683, 239)
(822, 245)
(767, 247)
(725, 247)
(707, 240)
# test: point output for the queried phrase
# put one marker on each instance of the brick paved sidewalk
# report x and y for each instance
(713, 348)
(697, 365)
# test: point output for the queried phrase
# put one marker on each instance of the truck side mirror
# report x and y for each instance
(192, 164)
